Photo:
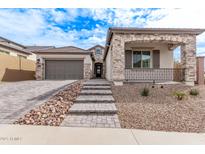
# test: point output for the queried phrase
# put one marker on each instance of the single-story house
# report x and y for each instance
(130, 55)
(146, 54)
(11, 48)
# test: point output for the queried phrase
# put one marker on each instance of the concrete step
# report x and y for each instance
(96, 84)
(94, 98)
(96, 92)
(88, 108)
(97, 87)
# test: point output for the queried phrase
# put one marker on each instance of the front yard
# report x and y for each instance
(160, 110)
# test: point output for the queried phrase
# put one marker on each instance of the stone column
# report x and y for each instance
(188, 56)
(39, 69)
(87, 71)
(118, 60)
(200, 70)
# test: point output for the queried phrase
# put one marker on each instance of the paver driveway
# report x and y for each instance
(17, 98)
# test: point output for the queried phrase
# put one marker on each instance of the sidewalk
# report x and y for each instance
(16, 134)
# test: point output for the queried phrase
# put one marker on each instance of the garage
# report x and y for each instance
(63, 69)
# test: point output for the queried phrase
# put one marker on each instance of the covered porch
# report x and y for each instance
(151, 62)
(146, 54)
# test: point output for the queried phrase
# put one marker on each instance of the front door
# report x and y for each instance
(98, 70)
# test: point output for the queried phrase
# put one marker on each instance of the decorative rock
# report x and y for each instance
(54, 110)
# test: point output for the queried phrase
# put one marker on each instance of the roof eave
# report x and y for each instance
(158, 30)
(112, 30)
(37, 52)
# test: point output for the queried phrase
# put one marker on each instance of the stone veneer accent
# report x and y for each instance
(40, 65)
(98, 59)
(188, 50)
(87, 71)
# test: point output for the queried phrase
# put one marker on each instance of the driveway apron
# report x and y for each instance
(17, 98)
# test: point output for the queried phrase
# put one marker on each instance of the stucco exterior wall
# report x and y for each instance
(14, 68)
(32, 57)
(40, 64)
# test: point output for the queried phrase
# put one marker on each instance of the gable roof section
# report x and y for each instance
(63, 50)
(96, 47)
(127, 30)
(37, 48)
(6, 44)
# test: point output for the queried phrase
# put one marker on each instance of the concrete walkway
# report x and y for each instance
(16, 134)
(94, 107)
(17, 98)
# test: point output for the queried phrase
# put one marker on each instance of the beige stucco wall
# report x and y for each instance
(88, 65)
(14, 68)
(166, 56)
(32, 57)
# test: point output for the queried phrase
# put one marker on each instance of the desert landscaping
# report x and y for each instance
(160, 110)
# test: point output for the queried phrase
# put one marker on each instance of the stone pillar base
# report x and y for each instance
(189, 83)
(118, 83)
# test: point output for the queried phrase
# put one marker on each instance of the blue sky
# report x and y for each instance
(87, 27)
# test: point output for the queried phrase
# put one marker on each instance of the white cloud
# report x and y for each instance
(31, 27)
(16, 23)
(120, 17)
(180, 18)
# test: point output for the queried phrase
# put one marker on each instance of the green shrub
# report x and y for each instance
(145, 91)
(194, 92)
(179, 95)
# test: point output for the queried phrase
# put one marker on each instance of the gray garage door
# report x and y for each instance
(63, 69)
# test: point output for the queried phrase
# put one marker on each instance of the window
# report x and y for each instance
(4, 52)
(98, 51)
(141, 59)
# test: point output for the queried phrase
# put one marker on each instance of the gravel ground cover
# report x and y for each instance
(54, 110)
(160, 111)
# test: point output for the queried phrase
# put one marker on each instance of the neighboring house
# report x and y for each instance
(11, 48)
(63, 63)
(146, 54)
(98, 69)
(16, 63)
